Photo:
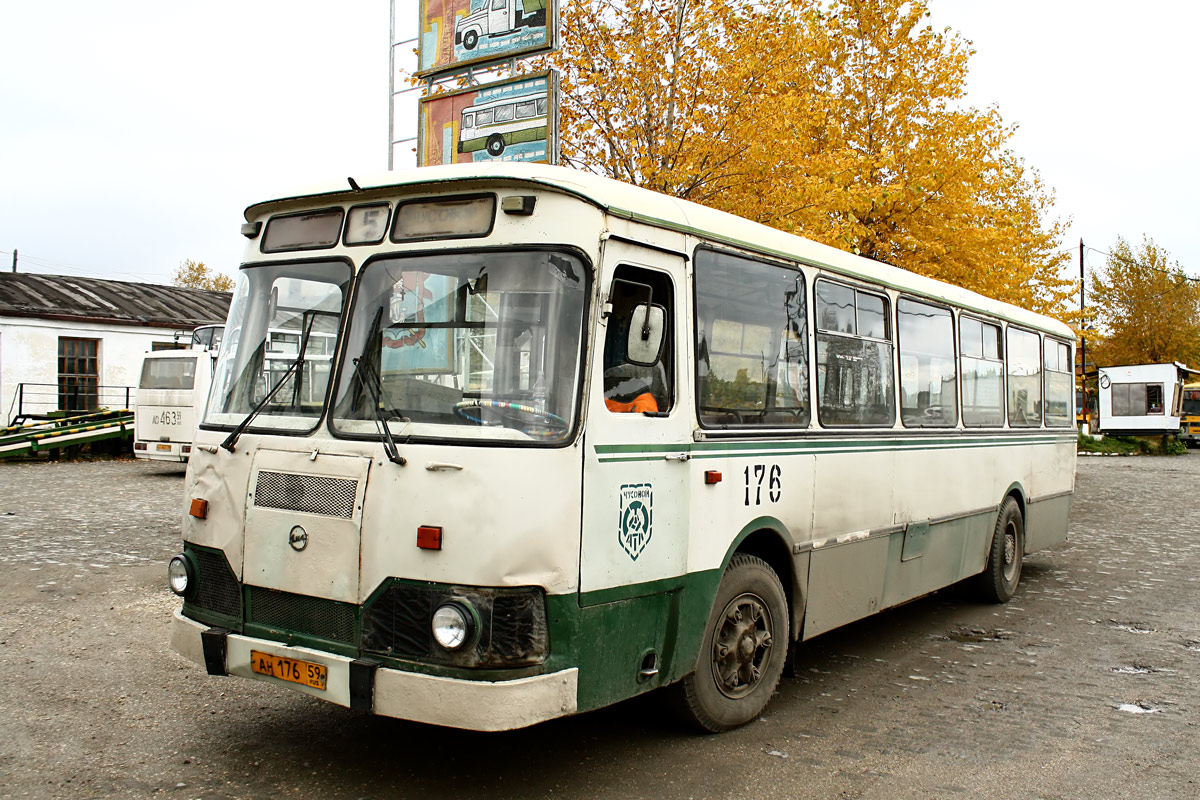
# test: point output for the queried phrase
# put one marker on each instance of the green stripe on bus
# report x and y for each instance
(700, 450)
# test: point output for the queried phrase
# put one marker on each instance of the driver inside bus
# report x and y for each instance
(629, 387)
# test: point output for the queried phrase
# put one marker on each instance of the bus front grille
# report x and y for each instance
(306, 616)
(512, 632)
(311, 494)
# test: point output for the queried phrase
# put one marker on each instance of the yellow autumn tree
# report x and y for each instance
(197, 275)
(845, 122)
(1145, 308)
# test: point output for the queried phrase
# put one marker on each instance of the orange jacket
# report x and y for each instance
(643, 402)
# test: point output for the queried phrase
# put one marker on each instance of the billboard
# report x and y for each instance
(460, 33)
(510, 120)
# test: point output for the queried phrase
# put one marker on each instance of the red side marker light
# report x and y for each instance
(199, 508)
(711, 476)
(429, 537)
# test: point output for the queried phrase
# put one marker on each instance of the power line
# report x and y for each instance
(75, 270)
(1132, 263)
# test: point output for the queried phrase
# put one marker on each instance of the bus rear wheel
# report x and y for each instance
(495, 144)
(998, 581)
(743, 650)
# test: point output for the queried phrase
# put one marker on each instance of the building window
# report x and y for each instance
(78, 374)
(1137, 399)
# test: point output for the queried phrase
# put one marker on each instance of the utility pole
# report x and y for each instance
(1083, 342)
(14, 259)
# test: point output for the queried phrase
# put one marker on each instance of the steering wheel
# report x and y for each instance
(553, 423)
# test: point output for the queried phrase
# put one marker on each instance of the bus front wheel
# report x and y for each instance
(470, 38)
(495, 144)
(743, 650)
(998, 581)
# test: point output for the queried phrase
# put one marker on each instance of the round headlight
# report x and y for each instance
(452, 626)
(180, 574)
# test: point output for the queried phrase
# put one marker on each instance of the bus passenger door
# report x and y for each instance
(635, 509)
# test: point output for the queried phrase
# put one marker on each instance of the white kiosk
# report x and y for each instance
(1142, 399)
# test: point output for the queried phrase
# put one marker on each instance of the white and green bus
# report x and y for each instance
(578, 441)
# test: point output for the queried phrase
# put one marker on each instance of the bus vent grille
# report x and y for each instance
(312, 494)
(310, 616)
(217, 588)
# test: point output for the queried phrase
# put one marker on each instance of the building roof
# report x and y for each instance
(65, 297)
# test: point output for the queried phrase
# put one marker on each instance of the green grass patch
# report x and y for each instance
(1133, 445)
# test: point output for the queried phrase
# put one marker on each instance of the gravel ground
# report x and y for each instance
(1083, 686)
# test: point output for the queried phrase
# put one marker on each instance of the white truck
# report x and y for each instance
(499, 17)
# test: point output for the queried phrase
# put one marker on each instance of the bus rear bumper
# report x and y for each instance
(452, 702)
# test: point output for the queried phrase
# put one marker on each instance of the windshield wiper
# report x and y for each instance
(232, 438)
(372, 384)
(368, 378)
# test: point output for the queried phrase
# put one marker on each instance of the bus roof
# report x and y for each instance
(654, 208)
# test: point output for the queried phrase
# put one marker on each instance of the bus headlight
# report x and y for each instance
(453, 625)
(181, 575)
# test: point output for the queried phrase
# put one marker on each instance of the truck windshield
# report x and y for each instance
(277, 309)
(482, 346)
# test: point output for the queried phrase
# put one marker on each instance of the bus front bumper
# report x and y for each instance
(453, 702)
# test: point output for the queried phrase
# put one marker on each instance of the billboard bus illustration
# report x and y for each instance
(497, 124)
(499, 18)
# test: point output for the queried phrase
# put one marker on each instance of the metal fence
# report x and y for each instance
(65, 399)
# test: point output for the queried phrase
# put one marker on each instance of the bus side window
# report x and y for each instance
(632, 387)
(855, 381)
(751, 343)
(1024, 378)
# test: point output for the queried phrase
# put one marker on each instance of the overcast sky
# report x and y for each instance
(133, 134)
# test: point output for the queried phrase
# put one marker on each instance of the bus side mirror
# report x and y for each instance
(646, 326)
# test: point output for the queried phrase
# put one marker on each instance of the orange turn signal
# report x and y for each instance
(199, 508)
(711, 476)
(429, 537)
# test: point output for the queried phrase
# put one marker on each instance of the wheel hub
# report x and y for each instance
(741, 645)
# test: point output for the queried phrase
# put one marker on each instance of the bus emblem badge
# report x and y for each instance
(637, 518)
(298, 538)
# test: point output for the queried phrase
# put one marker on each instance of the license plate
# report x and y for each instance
(163, 448)
(305, 673)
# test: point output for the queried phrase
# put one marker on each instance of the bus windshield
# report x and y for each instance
(1191, 401)
(279, 344)
(482, 346)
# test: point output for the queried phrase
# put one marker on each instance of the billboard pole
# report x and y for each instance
(391, 80)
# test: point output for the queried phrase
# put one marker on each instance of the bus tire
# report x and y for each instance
(495, 144)
(470, 39)
(998, 581)
(743, 650)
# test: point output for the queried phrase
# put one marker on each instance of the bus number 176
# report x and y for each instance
(755, 476)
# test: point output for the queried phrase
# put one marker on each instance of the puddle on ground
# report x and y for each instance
(1138, 708)
(975, 635)
(1134, 670)
(1132, 627)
